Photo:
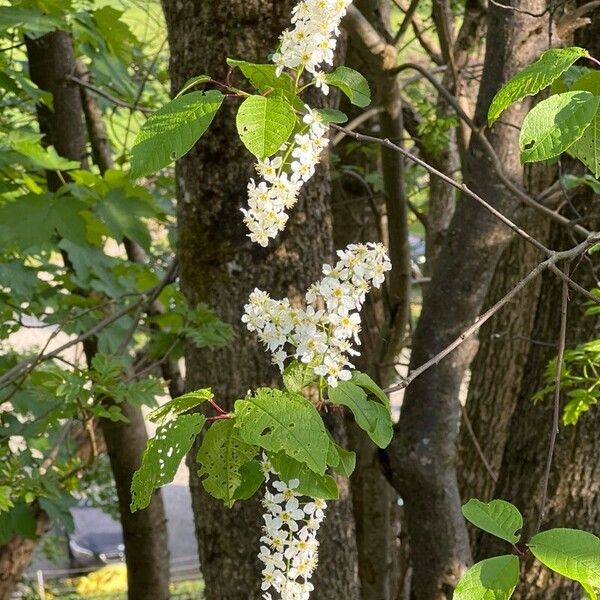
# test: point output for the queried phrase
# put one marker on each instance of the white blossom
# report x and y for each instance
(323, 337)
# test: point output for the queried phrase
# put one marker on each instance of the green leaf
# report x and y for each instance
(344, 461)
(587, 147)
(252, 478)
(193, 81)
(222, 455)
(297, 376)
(555, 124)
(265, 124)
(180, 405)
(41, 157)
(173, 130)
(589, 82)
(264, 77)
(164, 452)
(570, 552)
(371, 416)
(311, 484)
(331, 115)
(491, 579)
(364, 381)
(572, 181)
(115, 33)
(497, 517)
(352, 84)
(284, 422)
(534, 78)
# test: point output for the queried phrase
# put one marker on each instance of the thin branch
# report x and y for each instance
(567, 255)
(557, 387)
(477, 445)
(116, 101)
(356, 122)
(408, 19)
(520, 10)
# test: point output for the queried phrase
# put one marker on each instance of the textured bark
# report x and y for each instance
(16, 555)
(423, 454)
(51, 63)
(220, 266)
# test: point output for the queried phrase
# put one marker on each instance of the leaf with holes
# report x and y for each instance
(297, 376)
(555, 124)
(570, 552)
(371, 416)
(172, 131)
(491, 579)
(587, 147)
(352, 84)
(311, 484)
(222, 455)
(265, 123)
(284, 422)
(164, 452)
(534, 78)
(180, 405)
(497, 517)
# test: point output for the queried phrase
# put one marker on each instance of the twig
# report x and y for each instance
(557, 387)
(520, 10)
(408, 19)
(116, 101)
(568, 255)
(477, 445)
(355, 123)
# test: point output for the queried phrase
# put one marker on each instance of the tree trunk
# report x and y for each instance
(220, 266)
(51, 63)
(423, 454)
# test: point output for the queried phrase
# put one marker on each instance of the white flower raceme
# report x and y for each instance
(313, 38)
(283, 177)
(322, 333)
(289, 550)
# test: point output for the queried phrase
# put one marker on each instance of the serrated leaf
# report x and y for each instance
(173, 130)
(587, 147)
(265, 123)
(352, 84)
(371, 416)
(180, 405)
(284, 422)
(555, 124)
(534, 78)
(264, 77)
(193, 81)
(163, 455)
(491, 579)
(364, 381)
(331, 115)
(222, 455)
(570, 552)
(311, 484)
(297, 376)
(497, 517)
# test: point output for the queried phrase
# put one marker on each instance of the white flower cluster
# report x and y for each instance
(283, 176)
(313, 38)
(322, 334)
(289, 549)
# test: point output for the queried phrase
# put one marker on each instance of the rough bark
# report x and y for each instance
(423, 454)
(219, 265)
(51, 63)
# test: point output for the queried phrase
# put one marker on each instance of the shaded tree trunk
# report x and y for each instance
(220, 266)
(423, 453)
(51, 63)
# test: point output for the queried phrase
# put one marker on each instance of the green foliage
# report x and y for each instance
(491, 579)
(284, 422)
(580, 379)
(172, 131)
(331, 115)
(310, 484)
(364, 381)
(352, 84)
(297, 376)
(264, 78)
(534, 78)
(228, 470)
(162, 457)
(572, 553)
(179, 406)
(265, 123)
(555, 124)
(371, 416)
(497, 517)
